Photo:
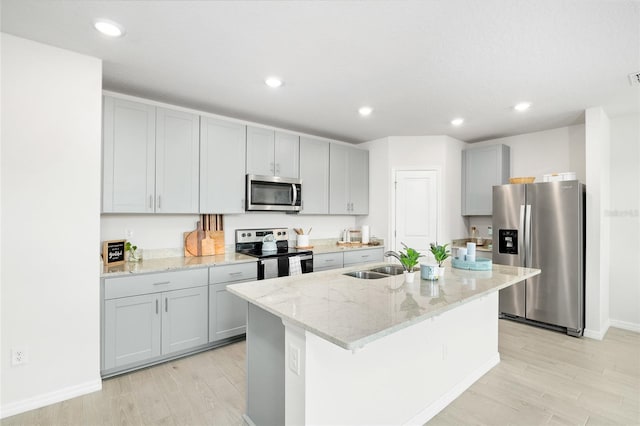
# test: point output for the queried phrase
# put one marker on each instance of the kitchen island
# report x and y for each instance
(327, 348)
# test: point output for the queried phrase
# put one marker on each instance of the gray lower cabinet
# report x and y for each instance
(147, 317)
(326, 261)
(355, 257)
(227, 312)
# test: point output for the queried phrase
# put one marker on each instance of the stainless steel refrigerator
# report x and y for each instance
(542, 225)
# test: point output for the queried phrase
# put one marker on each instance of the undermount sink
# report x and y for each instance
(367, 275)
(389, 270)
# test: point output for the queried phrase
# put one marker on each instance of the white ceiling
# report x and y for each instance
(417, 63)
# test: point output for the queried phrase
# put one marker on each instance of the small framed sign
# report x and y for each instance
(113, 252)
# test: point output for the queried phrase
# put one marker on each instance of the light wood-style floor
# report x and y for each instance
(543, 378)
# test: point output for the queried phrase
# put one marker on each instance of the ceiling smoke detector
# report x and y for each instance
(634, 78)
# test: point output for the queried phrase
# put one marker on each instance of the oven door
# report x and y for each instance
(279, 266)
(272, 193)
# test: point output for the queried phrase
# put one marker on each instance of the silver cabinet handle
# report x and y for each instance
(242, 203)
(166, 304)
(329, 260)
(162, 283)
(271, 167)
(277, 169)
(159, 205)
(235, 273)
(150, 201)
(521, 247)
(156, 306)
(365, 255)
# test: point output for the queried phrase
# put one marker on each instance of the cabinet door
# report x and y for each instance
(287, 155)
(184, 319)
(131, 330)
(314, 172)
(338, 179)
(128, 183)
(359, 181)
(222, 166)
(362, 256)
(482, 168)
(260, 151)
(227, 313)
(326, 261)
(177, 165)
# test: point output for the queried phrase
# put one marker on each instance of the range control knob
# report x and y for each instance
(244, 235)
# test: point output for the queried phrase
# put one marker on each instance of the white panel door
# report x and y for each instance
(131, 330)
(184, 319)
(260, 151)
(129, 142)
(314, 172)
(177, 161)
(222, 169)
(416, 209)
(287, 155)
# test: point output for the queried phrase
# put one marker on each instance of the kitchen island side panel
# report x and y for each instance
(404, 378)
(265, 368)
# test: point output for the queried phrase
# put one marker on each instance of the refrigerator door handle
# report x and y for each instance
(527, 236)
(521, 242)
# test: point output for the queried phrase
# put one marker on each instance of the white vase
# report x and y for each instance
(409, 276)
(441, 272)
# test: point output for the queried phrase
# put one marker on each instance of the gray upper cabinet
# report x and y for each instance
(150, 159)
(271, 153)
(482, 168)
(348, 180)
(222, 166)
(129, 140)
(177, 161)
(314, 172)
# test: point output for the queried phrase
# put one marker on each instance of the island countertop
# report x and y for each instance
(351, 312)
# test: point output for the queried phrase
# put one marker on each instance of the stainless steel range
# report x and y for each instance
(271, 247)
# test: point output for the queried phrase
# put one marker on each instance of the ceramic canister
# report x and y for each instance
(428, 272)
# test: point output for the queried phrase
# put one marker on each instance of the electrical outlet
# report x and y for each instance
(19, 356)
(294, 359)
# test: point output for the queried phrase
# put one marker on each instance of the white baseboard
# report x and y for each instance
(13, 408)
(625, 325)
(597, 334)
(429, 412)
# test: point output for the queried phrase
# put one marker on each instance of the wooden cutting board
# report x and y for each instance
(208, 245)
(191, 243)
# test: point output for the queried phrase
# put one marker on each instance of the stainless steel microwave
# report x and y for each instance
(273, 193)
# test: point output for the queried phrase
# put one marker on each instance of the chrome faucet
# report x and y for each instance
(396, 255)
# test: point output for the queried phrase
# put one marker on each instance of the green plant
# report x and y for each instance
(131, 249)
(409, 258)
(440, 252)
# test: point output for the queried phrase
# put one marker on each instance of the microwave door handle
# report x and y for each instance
(295, 194)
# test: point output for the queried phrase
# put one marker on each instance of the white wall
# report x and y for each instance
(548, 151)
(539, 153)
(166, 231)
(51, 101)
(441, 153)
(624, 221)
(597, 148)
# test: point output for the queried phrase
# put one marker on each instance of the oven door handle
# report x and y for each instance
(295, 194)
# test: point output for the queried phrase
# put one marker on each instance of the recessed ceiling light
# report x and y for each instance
(522, 106)
(365, 111)
(274, 82)
(109, 28)
(457, 121)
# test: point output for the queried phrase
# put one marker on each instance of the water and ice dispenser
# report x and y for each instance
(508, 241)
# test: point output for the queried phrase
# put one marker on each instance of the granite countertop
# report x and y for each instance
(334, 248)
(352, 312)
(462, 243)
(174, 263)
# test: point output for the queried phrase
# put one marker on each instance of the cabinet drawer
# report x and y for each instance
(362, 256)
(153, 283)
(327, 261)
(236, 272)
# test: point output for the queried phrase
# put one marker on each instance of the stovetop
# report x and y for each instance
(249, 242)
